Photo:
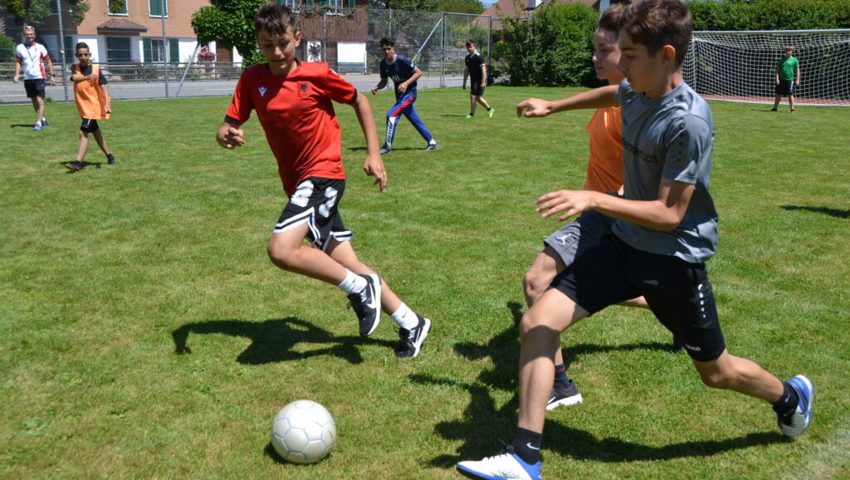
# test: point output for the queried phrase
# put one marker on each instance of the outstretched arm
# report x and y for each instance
(374, 165)
(664, 213)
(597, 98)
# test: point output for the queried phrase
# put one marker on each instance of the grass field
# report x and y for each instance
(108, 273)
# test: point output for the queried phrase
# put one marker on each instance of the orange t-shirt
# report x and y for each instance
(91, 100)
(605, 167)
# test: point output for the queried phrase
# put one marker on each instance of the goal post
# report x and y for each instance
(740, 65)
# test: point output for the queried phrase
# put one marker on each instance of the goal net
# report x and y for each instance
(740, 65)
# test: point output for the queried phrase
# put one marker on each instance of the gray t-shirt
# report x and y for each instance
(669, 137)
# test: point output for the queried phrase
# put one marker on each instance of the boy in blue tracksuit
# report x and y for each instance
(404, 74)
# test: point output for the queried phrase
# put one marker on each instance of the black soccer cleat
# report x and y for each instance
(367, 305)
(410, 341)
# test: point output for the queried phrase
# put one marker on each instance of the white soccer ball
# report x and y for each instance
(303, 432)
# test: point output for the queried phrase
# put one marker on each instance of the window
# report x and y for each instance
(294, 5)
(155, 50)
(118, 49)
(117, 7)
(334, 6)
(156, 7)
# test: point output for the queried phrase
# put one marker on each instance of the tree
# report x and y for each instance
(231, 24)
(461, 6)
(35, 12)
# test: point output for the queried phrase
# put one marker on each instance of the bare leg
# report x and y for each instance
(539, 333)
(84, 146)
(472, 104)
(776, 102)
(288, 251)
(741, 375)
(343, 253)
(483, 103)
(791, 101)
(101, 142)
(38, 106)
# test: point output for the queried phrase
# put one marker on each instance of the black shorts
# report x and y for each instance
(785, 88)
(89, 125)
(315, 203)
(34, 88)
(678, 293)
(476, 89)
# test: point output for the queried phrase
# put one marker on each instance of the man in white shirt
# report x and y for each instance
(31, 57)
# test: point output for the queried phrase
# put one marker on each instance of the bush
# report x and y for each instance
(770, 14)
(554, 48)
(7, 49)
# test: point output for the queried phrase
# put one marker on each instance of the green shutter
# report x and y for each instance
(146, 46)
(309, 4)
(174, 50)
(352, 4)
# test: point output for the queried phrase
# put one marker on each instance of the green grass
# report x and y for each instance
(107, 272)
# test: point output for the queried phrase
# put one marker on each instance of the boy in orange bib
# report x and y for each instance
(93, 103)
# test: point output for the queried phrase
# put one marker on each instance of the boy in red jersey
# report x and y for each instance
(293, 103)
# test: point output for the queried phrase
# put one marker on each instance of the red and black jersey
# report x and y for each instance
(298, 117)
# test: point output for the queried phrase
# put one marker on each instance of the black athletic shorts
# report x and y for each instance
(678, 293)
(785, 88)
(89, 125)
(34, 88)
(476, 89)
(315, 202)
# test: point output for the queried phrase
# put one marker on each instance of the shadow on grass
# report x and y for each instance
(21, 125)
(84, 166)
(395, 149)
(832, 212)
(275, 340)
(483, 425)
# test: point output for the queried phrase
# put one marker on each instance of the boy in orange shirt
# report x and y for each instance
(293, 103)
(93, 103)
(604, 174)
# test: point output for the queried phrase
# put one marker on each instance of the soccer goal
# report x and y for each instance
(740, 65)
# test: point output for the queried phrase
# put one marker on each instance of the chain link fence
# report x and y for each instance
(140, 65)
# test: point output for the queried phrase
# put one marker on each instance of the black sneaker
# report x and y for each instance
(367, 305)
(74, 166)
(410, 341)
(110, 159)
(564, 396)
(44, 123)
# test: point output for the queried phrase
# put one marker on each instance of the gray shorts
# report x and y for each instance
(579, 235)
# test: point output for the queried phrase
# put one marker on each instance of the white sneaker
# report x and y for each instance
(507, 466)
(799, 421)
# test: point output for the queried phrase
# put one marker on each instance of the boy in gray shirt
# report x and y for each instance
(666, 230)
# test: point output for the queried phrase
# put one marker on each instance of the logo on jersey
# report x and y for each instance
(303, 89)
(262, 91)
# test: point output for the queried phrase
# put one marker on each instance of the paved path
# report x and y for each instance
(11, 92)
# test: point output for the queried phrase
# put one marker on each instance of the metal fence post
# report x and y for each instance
(62, 49)
(164, 46)
(443, 50)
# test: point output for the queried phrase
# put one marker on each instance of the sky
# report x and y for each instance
(488, 3)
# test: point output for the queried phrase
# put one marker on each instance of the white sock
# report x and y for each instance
(353, 283)
(432, 142)
(405, 317)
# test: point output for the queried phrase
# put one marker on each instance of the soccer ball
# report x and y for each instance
(303, 432)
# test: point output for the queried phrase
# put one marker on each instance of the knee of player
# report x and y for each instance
(281, 255)
(715, 378)
(534, 283)
(534, 324)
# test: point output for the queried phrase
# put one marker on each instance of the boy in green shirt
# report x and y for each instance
(786, 70)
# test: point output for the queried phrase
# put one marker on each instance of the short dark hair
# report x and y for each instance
(610, 19)
(387, 42)
(274, 18)
(655, 23)
(470, 43)
(80, 45)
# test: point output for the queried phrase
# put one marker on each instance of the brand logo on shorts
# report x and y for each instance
(693, 348)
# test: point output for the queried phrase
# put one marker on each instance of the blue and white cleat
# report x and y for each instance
(799, 421)
(507, 466)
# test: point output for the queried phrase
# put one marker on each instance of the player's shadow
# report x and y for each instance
(20, 125)
(483, 424)
(456, 115)
(276, 340)
(395, 149)
(83, 166)
(832, 212)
